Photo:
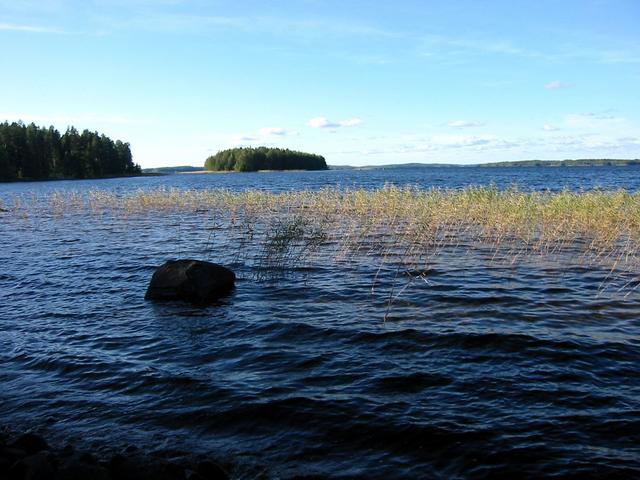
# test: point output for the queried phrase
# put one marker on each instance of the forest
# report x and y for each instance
(29, 152)
(247, 159)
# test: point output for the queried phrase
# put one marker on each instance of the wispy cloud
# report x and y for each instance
(570, 144)
(592, 120)
(549, 128)
(478, 148)
(243, 140)
(263, 136)
(323, 122)
(365, 58)
(464, 124)
(557, 84)
(11, 27)
(434, 44)
(280, 132)
(468, 141)
(289, 26)
(457, 49)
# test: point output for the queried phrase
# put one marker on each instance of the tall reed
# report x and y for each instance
(399, 225)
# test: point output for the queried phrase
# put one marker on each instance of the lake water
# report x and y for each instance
(488, 369)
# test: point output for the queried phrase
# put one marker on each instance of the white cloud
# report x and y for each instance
(549, 128)
(557, 84)
(464, 124)
(352, 122)
(323, 122)
(450, 148)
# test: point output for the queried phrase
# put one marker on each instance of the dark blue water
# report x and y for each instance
(484, 367)
(527, 178)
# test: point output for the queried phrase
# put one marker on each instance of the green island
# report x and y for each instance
(29, 152)
(247, 159)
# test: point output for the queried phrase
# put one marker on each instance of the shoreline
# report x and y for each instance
(29, 455)
(200, 172)
(63, 179)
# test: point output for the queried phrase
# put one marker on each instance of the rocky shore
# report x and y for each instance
(29, 456)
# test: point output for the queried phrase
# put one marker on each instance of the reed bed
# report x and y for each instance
(399, 226)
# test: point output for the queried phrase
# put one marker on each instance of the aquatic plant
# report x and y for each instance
(399, 226)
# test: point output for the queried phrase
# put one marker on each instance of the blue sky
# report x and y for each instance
(361, 83)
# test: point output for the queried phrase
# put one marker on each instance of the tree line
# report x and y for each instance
(581, 162)
(248, 159)
(29, 152)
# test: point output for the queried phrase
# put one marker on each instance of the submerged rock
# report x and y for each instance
(193, 281)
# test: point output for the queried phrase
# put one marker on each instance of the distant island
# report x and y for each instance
(29, 152)
(263, 158)
(584, 162)
(171, 170)
(603, 162)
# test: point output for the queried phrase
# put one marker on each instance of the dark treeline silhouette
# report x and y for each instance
(29, 152)
(263, 158)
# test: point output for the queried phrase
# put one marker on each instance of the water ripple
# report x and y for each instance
(493, 371)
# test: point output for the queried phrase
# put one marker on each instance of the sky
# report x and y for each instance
(360, 82)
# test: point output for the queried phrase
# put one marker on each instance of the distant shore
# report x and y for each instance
(198, 172)
(514, 164)
(62, 179)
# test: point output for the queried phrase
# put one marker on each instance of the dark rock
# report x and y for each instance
(87, 458)
(17, 471)
(174, 471)
(194, 476)
(12, 454)
(77, 468)
(143, 468)
(130, 449)
(8, 458)
(190, 280)
(30, 443)
(39, 466)
(211, 471)
(117, 461)
(68, 450)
